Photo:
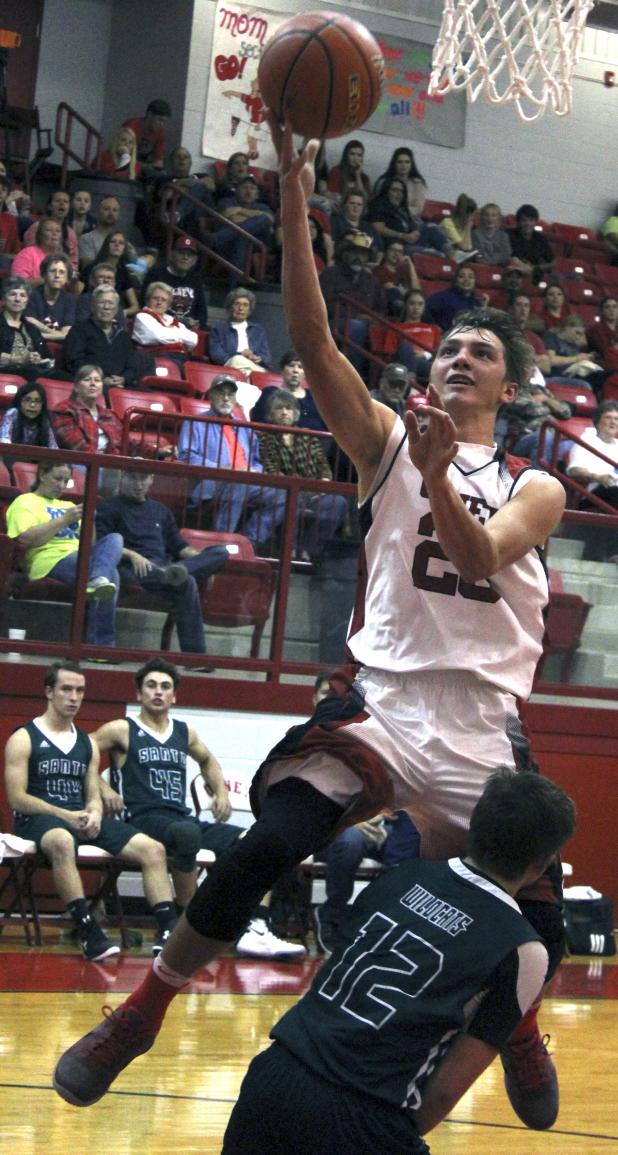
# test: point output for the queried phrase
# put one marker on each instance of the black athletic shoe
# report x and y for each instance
(95, 944)
(160, 940)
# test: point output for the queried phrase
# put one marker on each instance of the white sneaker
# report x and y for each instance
(100, 589)
(258, 941)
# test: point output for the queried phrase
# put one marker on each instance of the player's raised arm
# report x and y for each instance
(360, 425)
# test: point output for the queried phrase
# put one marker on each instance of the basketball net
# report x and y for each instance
(511, 51)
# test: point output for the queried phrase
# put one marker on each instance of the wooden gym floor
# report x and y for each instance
(179, 1096)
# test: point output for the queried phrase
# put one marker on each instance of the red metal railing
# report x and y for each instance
(86, 154)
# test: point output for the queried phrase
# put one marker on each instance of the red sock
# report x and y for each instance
(526, 1026)
(155, 993)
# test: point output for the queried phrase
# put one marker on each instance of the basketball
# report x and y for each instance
(323, 72)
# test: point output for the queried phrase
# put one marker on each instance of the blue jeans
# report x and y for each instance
(186, 597)
(235, 248)
(105, 555)
(343, 858)
(319, 517)
(232, 501)
(528, 446)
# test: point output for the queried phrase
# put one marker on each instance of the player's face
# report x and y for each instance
(157, 693)
(470, 370)
(65, 698)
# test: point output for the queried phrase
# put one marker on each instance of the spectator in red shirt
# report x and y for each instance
(519, 310)
(120, 159)
(603, 336)
(9, 236)
(151, 134)
(415, 341)
(397, 275)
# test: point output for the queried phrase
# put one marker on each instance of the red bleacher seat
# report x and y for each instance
(198, 407)
(569, 268)
(432, 268)
(200, 375)
(57, 391)
(263, 380)
(582, 401)
(488, 276)
(581, 292)
(436, 211)
(607, 275)
(9, 384)
(24, 473)
(589, 313)
(170, 385)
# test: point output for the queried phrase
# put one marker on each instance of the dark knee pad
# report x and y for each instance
(547, 921)
(184, 839)
(295, 820)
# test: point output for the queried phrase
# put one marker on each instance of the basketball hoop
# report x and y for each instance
(511, 51)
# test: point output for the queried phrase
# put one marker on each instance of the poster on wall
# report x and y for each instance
(235, 114)
(406, 109)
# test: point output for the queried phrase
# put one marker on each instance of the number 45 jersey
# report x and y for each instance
(428, 950)
(413, 610)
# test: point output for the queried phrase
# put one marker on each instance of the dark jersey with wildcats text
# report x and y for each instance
(430, 949)
(54, 776)
(154, 774)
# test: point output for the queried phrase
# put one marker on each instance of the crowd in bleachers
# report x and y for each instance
(81, 298)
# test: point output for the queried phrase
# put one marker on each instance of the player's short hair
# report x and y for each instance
(518, 354)
(159, 666)
(521, 818)
(52, 672)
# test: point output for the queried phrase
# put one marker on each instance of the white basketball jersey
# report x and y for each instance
(414, 611)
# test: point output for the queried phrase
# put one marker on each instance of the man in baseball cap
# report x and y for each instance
(393, 387)
(231, 446)
(181, 272)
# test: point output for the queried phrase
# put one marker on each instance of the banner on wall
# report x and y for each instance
(406, 109)
(235, 114)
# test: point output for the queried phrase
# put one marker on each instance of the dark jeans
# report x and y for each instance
(186, 597)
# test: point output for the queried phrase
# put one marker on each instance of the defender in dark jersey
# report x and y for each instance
(433, 973)
(426, 725)
(52, 784)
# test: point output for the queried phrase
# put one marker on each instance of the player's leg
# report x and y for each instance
(296, 819)
(56, 840)
(530, 1076)
(151, 856)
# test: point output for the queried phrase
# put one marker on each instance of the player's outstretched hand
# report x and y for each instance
(292, 165)
(433, 447)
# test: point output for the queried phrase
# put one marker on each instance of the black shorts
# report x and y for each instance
(112, 837)
(285, 1107)
(217, 836)
(157, 823)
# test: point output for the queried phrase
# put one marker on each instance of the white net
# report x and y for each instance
(511, 51)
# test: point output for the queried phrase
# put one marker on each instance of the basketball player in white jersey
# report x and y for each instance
(447, 635)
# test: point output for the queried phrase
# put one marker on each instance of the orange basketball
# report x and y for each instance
(323, 72)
